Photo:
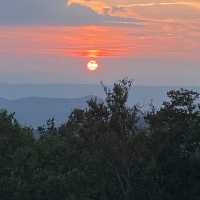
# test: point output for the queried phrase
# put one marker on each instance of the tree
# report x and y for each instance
(175, 130)
(15, 144)
(101, 153)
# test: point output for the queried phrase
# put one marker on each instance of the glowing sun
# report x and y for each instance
(92, 65)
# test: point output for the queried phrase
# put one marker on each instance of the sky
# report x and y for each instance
(154, 42)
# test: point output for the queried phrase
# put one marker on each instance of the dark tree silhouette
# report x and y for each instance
(101, 153)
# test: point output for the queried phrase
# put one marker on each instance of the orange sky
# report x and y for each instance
(154, 38)
(169, 40)
(145, 9)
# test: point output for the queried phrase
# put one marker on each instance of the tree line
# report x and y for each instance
(102, 153)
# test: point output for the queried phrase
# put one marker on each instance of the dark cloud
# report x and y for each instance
(31, 12)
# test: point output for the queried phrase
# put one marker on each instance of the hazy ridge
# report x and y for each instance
(34, 104)
(34, 111)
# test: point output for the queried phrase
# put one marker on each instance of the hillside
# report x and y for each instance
(34, 104)
(35, 111)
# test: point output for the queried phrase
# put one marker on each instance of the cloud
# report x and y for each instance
(176, 10)
(31, 12)
(73, 12)
(145, 9)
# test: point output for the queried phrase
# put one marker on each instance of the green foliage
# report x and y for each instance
(101, 153)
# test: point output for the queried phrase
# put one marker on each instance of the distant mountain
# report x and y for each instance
(35, 111)
(16, 91)
(53, 100)
(138, 93)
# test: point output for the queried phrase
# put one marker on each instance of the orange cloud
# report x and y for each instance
(155, 9)
(171, 39)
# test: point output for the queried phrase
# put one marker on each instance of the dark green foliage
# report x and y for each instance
(101, 153)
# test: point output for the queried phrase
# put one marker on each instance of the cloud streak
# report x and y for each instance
(155, 9)
(76, 12)
(92, 41)
(51, 12)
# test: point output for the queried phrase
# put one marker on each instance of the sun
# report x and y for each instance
(92, 65)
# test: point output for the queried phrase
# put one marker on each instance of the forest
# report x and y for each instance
(104, 153)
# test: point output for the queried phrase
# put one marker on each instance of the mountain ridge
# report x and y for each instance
(34, 104)
(35, 111)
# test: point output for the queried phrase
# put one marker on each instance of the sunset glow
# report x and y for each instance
(100, 99)
(53, 41)
(170, 40)
(92, 65)
(144, 9)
